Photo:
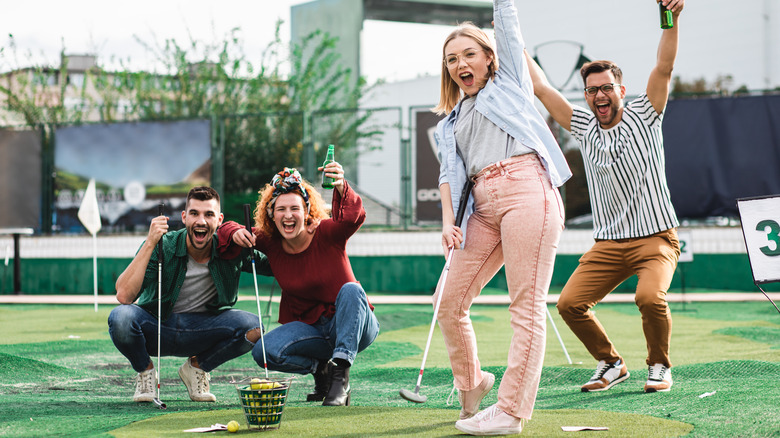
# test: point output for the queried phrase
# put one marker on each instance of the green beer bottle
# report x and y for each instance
(667, 22)
(327, 182)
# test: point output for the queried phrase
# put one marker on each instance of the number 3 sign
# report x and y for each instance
(761, 227)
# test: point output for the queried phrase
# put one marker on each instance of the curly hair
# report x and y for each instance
(317, 209)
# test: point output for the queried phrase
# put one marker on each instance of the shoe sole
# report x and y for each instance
(346, 403)
(481, 432)
(611, 384)
(650, 390)
(653, 390)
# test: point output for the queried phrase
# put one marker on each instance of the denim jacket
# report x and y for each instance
(508, 101)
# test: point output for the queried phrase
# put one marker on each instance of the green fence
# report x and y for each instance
(378, 274)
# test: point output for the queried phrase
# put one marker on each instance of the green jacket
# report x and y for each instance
(225, 273)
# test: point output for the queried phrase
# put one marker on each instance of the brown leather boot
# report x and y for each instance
(339, 392)
(321, 382)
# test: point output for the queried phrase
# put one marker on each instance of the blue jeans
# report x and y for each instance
(213, 338)
(297, 347)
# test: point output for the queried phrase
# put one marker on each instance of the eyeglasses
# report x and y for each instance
(469, 55)
(606, 89)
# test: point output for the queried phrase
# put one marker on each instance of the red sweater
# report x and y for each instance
(312, 279)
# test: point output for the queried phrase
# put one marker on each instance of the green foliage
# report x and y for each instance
(260, 113)
(37, 94)
(720, 86)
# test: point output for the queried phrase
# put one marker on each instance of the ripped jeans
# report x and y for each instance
(213, 338)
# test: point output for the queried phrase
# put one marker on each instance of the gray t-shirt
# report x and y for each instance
(197, 290)
(482, 143)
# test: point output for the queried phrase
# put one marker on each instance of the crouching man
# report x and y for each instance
(199, 290)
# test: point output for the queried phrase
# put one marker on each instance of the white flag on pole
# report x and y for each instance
(89, 215)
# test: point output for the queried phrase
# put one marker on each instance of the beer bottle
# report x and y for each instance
(327, 182)
(667, 22)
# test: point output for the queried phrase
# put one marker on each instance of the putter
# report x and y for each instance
(270, 301)
(156, 400)
(247, 218)
(415, 396)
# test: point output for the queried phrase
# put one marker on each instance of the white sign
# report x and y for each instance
(686, 246)
(135, 193)
(761, 227)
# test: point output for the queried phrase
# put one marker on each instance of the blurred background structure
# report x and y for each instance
(363, 75)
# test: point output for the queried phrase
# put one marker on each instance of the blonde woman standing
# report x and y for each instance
(494, 135)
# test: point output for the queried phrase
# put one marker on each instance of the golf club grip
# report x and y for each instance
(248, 224)
(464, 196)
(159, 242)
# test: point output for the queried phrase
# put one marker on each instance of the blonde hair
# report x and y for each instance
(450, 92)
(265, 223)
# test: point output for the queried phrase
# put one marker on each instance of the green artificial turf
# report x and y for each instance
(380, 421)
(60, 375)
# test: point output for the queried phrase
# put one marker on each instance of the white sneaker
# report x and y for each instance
(606, 376)
(145, 384)
(470, 400)
(491, 421)
(659, 378)
(197, 382)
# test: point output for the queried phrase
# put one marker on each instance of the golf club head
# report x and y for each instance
(159, 403)
(412, 396)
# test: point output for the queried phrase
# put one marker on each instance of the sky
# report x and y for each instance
(111, 30)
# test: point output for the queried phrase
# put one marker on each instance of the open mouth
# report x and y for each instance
(200, 234)
(467, 79)
(288, 226)
(603, 108)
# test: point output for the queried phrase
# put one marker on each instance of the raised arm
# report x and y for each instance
(661, 76)
(558, 106)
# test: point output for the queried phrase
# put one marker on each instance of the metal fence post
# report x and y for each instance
(309, 164)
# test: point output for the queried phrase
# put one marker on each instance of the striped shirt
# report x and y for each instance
(625, 169)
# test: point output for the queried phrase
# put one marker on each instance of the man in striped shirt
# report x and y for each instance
(633, 217)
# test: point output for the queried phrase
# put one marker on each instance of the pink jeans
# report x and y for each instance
(517, 222)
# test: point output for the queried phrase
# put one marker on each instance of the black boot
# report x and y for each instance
(338, 394)
(321, 383)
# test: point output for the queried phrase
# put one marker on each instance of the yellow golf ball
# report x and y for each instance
(233, 426)
(256, 384)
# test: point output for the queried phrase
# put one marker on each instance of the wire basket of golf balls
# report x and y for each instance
(263, 400)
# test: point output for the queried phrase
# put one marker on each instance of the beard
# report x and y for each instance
(608, 117)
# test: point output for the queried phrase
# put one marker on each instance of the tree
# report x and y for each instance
(260, 113)
(37, 94)
(721, 86)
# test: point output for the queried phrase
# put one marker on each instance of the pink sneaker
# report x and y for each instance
(491, 421)
(470, 400)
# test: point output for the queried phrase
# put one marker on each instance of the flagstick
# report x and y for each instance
(94, 268)
(89, 215)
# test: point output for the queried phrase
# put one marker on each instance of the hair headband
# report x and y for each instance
(287, 181)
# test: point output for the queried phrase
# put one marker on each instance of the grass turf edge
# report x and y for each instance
(354, 421)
